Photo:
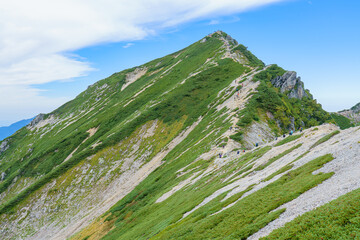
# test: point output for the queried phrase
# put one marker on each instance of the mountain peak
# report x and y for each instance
(223, 36)
(123, 144)
(233, 50)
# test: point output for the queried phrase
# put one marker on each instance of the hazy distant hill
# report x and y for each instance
(10, 130)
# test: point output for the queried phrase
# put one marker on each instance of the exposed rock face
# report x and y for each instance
(356, 108)
(231, 40)
(289, 82)
(4, 146)
(133, 76)
(37, 119)
(353, 114)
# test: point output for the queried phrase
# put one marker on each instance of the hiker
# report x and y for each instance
(291, 132)
(244, 150)
(223, 146)
(301, 129)
(256, 145)
(230, 128)
(238, 152)
(284, 135)
(219, 155)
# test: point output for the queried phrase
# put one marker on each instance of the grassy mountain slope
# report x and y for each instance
(136, 155)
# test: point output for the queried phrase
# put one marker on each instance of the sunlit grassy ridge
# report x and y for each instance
(132, 126)
(52, 147)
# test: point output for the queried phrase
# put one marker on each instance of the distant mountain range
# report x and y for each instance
(10, 130)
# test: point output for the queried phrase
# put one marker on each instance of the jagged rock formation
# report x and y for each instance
(290, 84)
(182, 144)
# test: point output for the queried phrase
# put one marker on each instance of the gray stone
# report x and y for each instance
(291, 84)
(4, 146)
(292, 123)
(37, 119)
(231, 40)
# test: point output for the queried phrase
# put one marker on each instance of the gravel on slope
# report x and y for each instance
(345, 148)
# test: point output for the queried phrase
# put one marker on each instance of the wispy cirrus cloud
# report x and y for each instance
(214, 22)
(128, 45)
(35, 35)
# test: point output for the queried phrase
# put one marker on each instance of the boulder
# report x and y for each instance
(291, 84)
(37, 119)
(4, 146)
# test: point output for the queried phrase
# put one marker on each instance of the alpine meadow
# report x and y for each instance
(205, 143)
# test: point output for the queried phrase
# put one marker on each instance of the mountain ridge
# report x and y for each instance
(194, 119)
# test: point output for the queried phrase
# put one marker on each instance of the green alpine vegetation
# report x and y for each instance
(338, 219)
(341, 121)
(182, 147)
(325, 138)
(288, 139)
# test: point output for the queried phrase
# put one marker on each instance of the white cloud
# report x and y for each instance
(214, 22)
(26, 103)
(128, 45)
(35, 35)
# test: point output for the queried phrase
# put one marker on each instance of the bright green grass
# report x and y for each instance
(251, 213)
(288, 139)
(339, 219)
(341, 121)
(247, 158)
(261, 167)
(324, 139)
(164, 179)
(283, 169)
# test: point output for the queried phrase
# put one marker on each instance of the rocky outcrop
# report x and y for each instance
(353, 113)
(291, 84)
(37, 119)
(4, 146)
(2, 176)
(133, 76)
(231, 40)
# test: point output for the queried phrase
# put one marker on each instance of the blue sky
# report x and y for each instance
(318, 39)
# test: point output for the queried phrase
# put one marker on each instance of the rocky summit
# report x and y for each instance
(205, 143)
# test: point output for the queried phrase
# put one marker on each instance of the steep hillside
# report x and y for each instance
(169, 150)
(10, 130)
(348, 118)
